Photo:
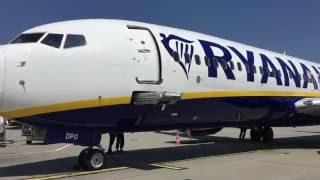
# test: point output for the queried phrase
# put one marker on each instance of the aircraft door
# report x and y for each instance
(148, 56)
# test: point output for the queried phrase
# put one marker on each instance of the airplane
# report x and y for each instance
(80, 79)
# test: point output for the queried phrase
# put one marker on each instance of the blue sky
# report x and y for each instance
(280, 25)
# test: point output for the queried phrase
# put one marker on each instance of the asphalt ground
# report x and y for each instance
(294, 154)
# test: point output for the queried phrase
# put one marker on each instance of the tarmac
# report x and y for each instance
(293, 155)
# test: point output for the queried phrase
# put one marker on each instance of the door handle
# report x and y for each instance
(144, 50)
(148, 82)
(22, 63)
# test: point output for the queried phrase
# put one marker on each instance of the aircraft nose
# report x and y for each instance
(2, 73)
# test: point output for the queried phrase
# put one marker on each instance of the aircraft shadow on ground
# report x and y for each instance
(13, 127)
(190, 149)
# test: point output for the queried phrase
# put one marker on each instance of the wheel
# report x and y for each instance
(82, 158)
(94, 159)
(255, 134)
(29, 141)
(267, 134)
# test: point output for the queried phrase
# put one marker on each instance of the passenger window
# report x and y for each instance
(267, 73)
(176, 56)
(27, 38)
(231, 65)
(261, 70)
(207, 61)
(187, 57)
(247, 67)
(278, 73)
(53, 40)
(215, 63)
(310, 80)
(299, 77)
(239, 66)
(223, 64)
(74, 41)
(271, 74)
(197, 58)
(254, 69)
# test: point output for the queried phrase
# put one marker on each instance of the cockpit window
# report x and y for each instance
(27, 38)
(74, 41)
(53, 40)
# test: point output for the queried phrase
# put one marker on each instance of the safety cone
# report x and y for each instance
(177, 139)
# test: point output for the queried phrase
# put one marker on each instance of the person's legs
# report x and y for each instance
(112, 138)
(118, 143)
(121, 142)
(241, 132)
(244, 133)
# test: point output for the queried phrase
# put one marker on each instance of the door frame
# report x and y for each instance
(160, 80)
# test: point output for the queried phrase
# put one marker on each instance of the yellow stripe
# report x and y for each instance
(211, 94)
(66, 107)
(126, 100)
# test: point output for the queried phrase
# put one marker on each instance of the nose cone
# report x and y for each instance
(2, 73)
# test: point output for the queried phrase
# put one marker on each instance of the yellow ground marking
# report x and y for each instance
(100, 102)
(73, 174)
(167, 166)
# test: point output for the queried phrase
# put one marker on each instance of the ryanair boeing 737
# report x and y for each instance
(77, 80)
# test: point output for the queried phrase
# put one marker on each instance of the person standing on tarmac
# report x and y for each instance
(120, 142)
(2, 129)
(243, 132)
(112, 136)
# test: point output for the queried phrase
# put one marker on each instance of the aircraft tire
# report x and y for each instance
(82, 158)
(255, 134)
(95, 159)
(29, 141)
(267, 134)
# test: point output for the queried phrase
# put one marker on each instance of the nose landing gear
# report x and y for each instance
(264, 134)
(91, 159)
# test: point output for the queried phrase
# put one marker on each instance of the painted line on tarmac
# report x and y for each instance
(73, 174)
(35, 152)
(64, 147)
(213, 156)
(168, 166)
(49, 151)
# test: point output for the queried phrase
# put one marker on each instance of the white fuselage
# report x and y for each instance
(122, 57)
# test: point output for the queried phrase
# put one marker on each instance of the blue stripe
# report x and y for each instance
(218, 112)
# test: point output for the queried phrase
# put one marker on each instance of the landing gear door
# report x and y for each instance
(147, 56)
